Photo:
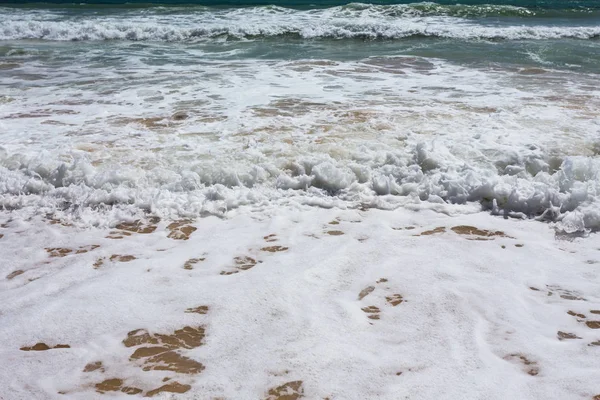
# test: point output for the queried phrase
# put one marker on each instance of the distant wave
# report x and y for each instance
(390, 10)
(366, 29)
(469, 11)
(478, 7)
(352, 21)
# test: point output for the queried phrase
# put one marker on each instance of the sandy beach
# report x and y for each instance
(308, 302)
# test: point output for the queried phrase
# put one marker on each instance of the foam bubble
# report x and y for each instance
(179, 142)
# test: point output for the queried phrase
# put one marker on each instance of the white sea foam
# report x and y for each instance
(339, 186)
(474, 315)
(369, 22)
(379, 133)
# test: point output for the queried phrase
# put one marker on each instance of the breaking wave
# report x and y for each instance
(68, 31)
(353, 21)
(535, 187)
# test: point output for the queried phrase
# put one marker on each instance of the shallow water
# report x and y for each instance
(252, 201)
(111, 113)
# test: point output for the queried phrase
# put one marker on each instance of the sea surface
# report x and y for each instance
(300, 200)
(119, 110)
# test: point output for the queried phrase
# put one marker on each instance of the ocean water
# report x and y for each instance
(299, 200)
(121, 110)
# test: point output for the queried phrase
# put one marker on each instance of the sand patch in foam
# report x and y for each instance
(43, 347)
(288, 391)
(181, 230)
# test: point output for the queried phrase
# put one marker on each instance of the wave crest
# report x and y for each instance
(342, 29)
(80, 191)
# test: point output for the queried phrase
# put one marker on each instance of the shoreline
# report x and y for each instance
(351, 304)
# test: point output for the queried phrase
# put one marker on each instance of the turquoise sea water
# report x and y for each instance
(551, 4)
(558, 34)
